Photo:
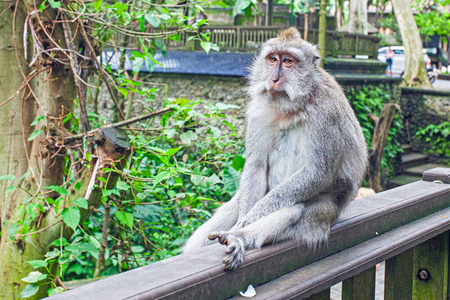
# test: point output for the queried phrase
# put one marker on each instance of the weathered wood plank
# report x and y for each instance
(328, 271)
(201, 276)
(430, 269)
(360, 286)
(399, 276)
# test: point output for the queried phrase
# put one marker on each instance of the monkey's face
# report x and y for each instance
(280, 66)
(284, 75)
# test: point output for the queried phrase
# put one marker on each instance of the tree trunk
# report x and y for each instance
(322, 30)
(339, 16)
(357, 20)
(380, 134)
(415, 72)
(55, 100)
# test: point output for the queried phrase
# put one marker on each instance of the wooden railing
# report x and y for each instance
(236, 38)
(407, 227)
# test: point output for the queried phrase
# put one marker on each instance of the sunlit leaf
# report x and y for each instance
(125, 218)
(60, 190)
(71, 216)
(35, 134)
(81, 202)
(38, 263)
(34, 277)
(29, 290)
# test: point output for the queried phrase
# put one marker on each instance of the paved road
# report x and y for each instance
(442, 84)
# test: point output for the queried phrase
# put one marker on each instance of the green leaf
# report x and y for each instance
(12, 230)
(10, 188)
(206, 46)
(188, 136)
(153, 20)
(7, 177)
(81, 202)
(71, 216)
(54, 4)
(35, 134)
(123, 186)
(124, 218)
(137, 64)
(57, 290)
(38, 263)
(161, 46)
(175, 37)
(77, 186)
(172, 151)
(160, 177)
(60, 190)
(120, 7)
(29, 290)
(170, 132)
(34, 277)
(37, 120)
(238, 162)
(213, 179)
(215, 131)
(67, 118)
(97, 4)
(197, 179)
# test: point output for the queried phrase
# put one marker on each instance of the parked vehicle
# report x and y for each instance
(398, 62)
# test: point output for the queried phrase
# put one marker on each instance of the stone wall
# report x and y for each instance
(422, 107)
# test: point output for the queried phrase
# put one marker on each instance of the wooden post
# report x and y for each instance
(419, 273)
(305, 34)
(360, 286)
(270, 13)
(380, 134)
(398, 276)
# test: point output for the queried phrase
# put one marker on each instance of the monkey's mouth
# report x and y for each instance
(274, 91)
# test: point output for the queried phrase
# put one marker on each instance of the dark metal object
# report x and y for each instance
(423, 275)
(200, 275)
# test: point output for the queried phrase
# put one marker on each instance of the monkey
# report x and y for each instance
(305, 155)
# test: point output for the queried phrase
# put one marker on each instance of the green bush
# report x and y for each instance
(370, 100)
(437, 137)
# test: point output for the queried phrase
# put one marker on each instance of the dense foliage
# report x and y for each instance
(369, 100)
(438, 139)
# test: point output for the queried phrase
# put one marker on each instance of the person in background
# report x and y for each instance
(389, 54)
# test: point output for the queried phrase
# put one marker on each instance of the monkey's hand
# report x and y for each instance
(235, 248)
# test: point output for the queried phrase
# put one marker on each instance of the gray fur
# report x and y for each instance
(305, 159)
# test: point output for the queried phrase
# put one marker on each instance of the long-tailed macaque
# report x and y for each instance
(305, 155)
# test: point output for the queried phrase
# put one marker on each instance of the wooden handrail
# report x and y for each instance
(383, 225)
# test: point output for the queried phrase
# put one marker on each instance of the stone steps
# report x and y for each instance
(413, 159)
(413, 166)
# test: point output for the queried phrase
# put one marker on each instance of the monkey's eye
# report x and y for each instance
(287, 60)
(272, 58)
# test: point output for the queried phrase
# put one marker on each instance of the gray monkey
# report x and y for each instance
(305, 155)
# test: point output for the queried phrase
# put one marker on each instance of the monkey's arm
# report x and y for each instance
(224, 218)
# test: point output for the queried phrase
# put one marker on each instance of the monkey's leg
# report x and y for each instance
(310, 222)
(224, 219)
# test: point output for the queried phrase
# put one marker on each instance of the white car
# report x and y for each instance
(398, 62)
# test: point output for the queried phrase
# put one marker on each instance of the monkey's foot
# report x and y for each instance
(235, 248)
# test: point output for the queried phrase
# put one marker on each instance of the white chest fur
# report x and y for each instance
(287, 156)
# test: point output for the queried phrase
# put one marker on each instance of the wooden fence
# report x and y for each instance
(237, 38)
(407, 227)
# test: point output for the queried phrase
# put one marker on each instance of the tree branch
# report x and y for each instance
(73, 138)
